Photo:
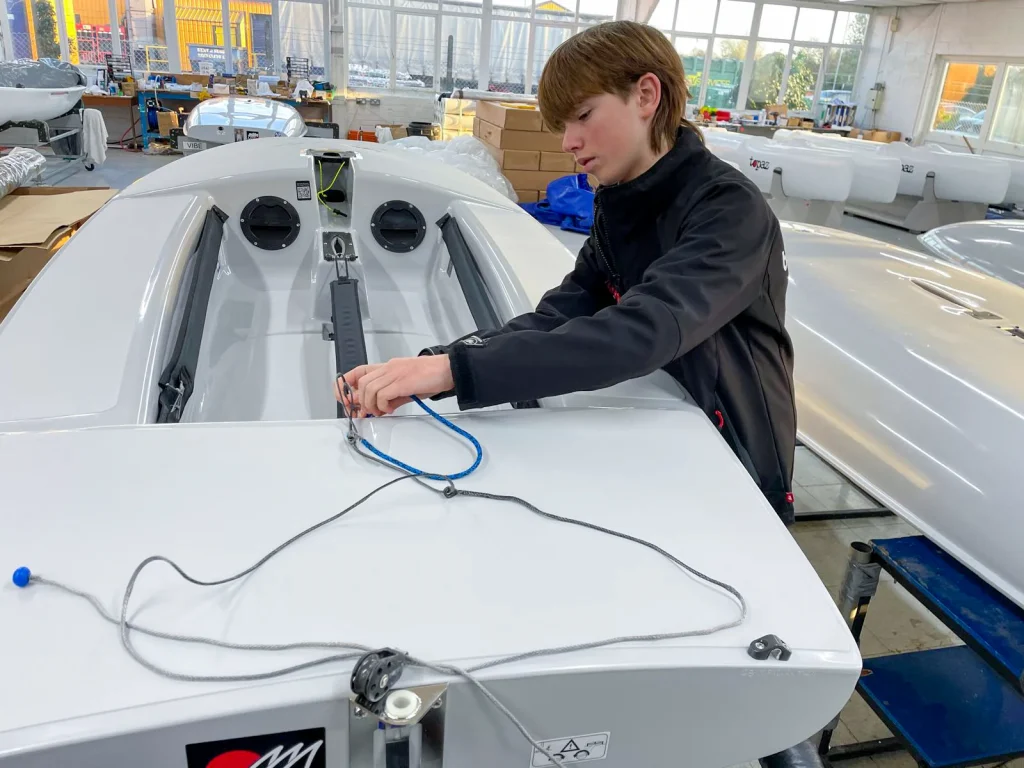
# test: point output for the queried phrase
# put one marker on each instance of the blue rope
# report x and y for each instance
(430, 475)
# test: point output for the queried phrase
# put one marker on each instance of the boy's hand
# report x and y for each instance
(383, 387)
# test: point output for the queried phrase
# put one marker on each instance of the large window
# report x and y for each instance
(457, 45)
(1008, 121)
(980, 102)
(963, 101)
(762, 53)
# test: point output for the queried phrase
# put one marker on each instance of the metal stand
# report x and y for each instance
(826, 213)
(61, 135)
(919, 214)
(948, 707)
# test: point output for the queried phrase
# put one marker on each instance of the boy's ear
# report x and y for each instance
(648, 94)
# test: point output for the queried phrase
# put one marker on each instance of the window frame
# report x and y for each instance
(930, 105)
(753, 39)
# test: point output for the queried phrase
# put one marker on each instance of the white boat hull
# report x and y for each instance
(21, 104)
(261, 455)
(906, 385)
(994, 247)
(228, 119)
(906, 393)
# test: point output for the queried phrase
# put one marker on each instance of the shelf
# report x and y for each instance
(947, 705)
(982, 617)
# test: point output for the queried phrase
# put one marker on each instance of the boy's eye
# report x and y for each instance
(584, 115)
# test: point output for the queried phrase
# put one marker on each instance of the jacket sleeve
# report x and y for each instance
(713, 272)
(581, 293)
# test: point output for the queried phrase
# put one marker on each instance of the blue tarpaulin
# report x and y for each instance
(569, 204)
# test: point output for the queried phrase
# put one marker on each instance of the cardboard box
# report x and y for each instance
(557, 161)
(165, 121)
(527, 195)
(793, 122)
(508, 139)
(19, 268)
(884, 136)
(43, 219)
(517, 159)
(510, 116)
(531, 179)
(30, 215)
(807, 124)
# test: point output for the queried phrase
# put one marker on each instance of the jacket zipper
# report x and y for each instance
(601, 232)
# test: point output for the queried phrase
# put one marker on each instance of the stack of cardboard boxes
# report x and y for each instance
(528, 153)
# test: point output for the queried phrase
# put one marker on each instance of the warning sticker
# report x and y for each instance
(572, 749)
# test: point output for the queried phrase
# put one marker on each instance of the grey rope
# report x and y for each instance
(450, 491)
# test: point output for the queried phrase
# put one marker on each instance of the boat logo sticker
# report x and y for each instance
(252, 135)
(291, 749)
(572, 749)
(303, 191)
(907, 168)
(759, 165)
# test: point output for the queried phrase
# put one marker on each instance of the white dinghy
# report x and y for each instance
(186, 399)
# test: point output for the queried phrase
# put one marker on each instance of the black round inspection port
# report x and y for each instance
(269, 222)
(398, 226)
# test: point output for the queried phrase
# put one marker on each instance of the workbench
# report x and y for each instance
(110, 107)
(313, 109)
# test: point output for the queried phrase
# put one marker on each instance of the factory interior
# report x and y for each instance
(163, 315)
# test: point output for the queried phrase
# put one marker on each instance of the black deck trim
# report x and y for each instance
(178, 378)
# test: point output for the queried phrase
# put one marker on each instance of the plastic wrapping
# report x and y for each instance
(18, 167)
(44, 73)
(467, 153)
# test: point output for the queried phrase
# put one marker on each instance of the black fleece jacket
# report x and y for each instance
(683, 270)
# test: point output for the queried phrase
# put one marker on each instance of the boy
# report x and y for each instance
(684, 270)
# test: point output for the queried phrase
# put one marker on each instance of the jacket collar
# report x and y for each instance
(653, 190)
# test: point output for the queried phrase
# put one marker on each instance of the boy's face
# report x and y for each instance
(609, 135)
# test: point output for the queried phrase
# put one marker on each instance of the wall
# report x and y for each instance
(351, 116)
(905, 60)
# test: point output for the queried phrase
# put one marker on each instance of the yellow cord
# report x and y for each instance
(319, 195)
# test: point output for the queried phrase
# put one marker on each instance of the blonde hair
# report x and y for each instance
(611, 58)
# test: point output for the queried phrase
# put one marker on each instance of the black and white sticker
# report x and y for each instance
(572, 749)
(252, 135)
(292, 749)
(303, 191)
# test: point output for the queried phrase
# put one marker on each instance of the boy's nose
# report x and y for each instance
(571, 139)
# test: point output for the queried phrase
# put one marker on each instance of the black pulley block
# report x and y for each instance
(374, 675)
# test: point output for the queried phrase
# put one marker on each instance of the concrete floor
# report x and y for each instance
(896, 621)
